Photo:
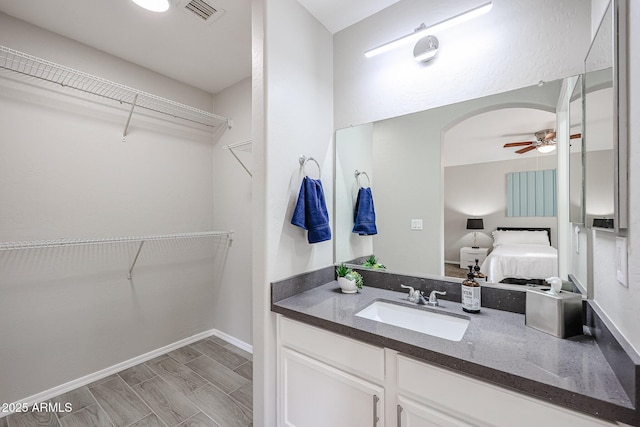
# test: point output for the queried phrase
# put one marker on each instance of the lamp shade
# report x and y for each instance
(475, 224)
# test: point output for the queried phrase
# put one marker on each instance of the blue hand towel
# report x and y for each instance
(311, 211)
(364, 215)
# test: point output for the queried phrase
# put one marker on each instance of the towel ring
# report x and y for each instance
(303, 162)
(357, 175)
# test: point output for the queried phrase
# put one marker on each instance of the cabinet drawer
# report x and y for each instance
(479, 403)
(350, 355)
(467, 260)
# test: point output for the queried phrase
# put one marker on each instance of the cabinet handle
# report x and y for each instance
(375, 410)
(399, 412)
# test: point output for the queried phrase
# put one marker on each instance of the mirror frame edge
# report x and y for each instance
(621, 112)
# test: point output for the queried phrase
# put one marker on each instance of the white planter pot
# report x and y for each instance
(347, 286)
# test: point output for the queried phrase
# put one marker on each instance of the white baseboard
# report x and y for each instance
(88, 379)
(233, 340)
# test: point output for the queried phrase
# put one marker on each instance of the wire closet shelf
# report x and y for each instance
(42, 69)
(37, 244)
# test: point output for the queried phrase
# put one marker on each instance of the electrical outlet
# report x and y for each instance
(416, 224)
(621, 260)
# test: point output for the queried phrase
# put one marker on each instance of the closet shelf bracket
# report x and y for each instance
(240, 146)
(135, 259)
(126, 126)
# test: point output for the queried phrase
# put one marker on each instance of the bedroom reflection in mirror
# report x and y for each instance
(493, 170)
(521, 256)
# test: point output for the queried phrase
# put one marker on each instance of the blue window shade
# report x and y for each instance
(531, 193)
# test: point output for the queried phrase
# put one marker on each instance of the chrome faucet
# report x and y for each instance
(433, 300)
(413, 294)
(418, 297)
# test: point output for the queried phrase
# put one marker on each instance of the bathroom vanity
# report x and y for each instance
(338, 368)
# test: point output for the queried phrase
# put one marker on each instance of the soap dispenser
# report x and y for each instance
(477, 274)
(471, 293)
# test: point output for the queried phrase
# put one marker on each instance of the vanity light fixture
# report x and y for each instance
(153, 5)
(423, 30)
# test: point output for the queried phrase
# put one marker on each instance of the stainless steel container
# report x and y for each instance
(556, 314)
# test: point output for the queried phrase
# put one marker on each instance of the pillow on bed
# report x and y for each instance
(515, 237)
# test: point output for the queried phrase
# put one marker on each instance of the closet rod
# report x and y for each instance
(36, 244)
(42, 69)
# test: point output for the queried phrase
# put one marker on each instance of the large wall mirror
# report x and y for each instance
(432, 173)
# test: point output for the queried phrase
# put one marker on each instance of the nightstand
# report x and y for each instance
(469, 255)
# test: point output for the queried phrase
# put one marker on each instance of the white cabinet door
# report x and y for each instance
(313, 394)
(413, 414)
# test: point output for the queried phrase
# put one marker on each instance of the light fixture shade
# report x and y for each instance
(546, 148)
(475, 224)
(426, 49)
(153, 5)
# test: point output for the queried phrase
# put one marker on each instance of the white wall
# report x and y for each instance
(618, 302)
(293, 115)
(493, 53)
(483, 186)
(406, 160)
(231, 308)
(66, 173)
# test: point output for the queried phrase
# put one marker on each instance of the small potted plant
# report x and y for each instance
(349, 280)
(372, 262)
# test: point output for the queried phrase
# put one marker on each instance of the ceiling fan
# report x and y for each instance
(545, 142)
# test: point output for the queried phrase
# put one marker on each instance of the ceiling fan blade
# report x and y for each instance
(575, 136)
(517, 144)
(525, 149)
(550, 135)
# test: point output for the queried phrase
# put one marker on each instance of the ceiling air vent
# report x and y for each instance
(203, 10)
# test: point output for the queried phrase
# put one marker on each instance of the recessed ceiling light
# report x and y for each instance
(153, 5)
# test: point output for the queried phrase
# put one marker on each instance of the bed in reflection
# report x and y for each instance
(521, 256)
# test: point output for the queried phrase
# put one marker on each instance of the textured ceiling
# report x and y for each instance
(175, 43)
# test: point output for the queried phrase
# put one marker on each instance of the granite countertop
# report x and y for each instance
(497, 347)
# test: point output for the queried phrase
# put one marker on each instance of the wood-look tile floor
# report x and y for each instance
(207, 383)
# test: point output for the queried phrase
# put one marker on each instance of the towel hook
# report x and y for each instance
(357, 175)
(303, 161)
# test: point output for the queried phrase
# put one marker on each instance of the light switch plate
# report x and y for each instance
(416, 224)
(621, 260)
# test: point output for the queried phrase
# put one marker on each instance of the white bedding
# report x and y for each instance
(521, 261)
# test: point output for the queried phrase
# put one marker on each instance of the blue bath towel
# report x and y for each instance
(364, 215)
(311, 211)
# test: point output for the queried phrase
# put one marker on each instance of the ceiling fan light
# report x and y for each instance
(546, 148)
(153, 5)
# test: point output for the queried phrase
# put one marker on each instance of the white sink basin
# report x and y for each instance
(427, 322)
